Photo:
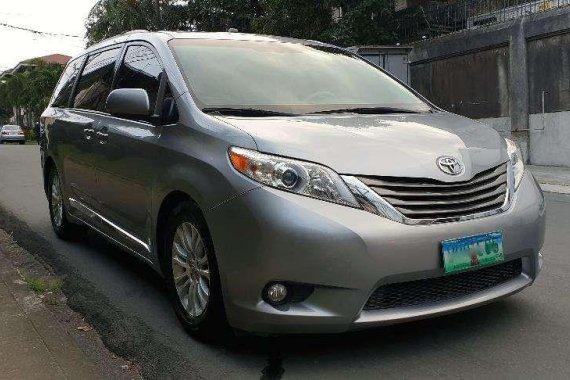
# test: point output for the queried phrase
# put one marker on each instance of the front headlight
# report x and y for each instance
(304, 178)
(516, 161)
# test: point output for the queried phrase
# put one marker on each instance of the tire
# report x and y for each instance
(22, 142)
(62, 227)
(209, 323)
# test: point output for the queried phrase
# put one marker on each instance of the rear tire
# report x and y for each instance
(192, 275)
(62, 227)
(22, 142)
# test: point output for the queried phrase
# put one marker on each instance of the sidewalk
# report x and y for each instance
(32, 345)
(553, 179)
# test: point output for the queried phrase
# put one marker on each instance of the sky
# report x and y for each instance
(52, 16)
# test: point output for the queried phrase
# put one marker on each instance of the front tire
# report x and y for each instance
(62, 227)
(192, 274)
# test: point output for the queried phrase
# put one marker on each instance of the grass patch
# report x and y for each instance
(44, 285)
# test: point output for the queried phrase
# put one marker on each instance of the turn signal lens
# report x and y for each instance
(238, 161)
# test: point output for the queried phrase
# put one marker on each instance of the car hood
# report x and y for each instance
(403, 145)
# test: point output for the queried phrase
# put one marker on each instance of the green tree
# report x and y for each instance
(363, 21)
(28, 91)
(108, 18)
(295, 18)
(220, 15)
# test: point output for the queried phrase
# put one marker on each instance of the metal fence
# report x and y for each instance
(427, 21)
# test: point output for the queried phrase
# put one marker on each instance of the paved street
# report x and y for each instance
(525, 336)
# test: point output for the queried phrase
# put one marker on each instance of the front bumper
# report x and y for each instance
(270, 235)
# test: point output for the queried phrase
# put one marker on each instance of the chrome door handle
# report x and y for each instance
(88, 132)
(102, 135)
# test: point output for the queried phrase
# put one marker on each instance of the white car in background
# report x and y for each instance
(12, 133)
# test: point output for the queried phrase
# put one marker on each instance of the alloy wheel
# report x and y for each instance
(56, 201)
(190, 269)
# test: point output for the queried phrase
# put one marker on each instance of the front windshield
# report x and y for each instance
(286, 77)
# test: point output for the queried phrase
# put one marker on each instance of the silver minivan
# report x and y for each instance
(286, 186)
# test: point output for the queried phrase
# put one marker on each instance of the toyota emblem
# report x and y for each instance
(450, 165)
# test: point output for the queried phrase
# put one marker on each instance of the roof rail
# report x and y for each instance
(134, 31)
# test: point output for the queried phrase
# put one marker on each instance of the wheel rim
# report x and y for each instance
(56, 201)
(190, 269)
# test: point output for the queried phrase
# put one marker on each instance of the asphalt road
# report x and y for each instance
(525, 336)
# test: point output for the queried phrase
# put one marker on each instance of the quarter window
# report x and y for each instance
(96, 80)
(140, 69)
(64, 87)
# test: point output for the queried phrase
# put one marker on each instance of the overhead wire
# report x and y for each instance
(39, 32)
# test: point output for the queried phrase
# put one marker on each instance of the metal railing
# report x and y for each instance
(428, 21)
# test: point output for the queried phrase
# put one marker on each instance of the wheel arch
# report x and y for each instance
(49, 164)
(169, 203)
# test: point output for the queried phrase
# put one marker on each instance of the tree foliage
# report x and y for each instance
(30, 89)
(111, 17)
(362, 22)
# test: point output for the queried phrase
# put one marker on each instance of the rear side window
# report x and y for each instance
(140, 69)
(95, 83)
(64, 87)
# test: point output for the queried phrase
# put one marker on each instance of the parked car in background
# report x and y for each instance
(286, 186)
(12, 133)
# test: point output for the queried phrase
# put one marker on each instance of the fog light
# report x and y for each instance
(276, 293)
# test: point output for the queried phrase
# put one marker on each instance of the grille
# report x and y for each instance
(423, 198)
(444, 288)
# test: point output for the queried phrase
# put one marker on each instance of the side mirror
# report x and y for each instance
(128, 101)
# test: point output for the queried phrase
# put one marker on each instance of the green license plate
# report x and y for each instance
(472, 251)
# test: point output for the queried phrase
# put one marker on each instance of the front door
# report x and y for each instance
(127, 154)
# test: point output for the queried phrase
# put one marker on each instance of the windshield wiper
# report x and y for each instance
(244, 111)
(368, 110)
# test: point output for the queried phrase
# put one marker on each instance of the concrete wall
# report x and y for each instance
(550, 139)
(485, 94)
(506, 75)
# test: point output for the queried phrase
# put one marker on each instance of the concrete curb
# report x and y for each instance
(552, 179)
(38, 332)
(55, 346)
(552, 188)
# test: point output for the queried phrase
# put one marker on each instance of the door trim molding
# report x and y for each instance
(104, 221)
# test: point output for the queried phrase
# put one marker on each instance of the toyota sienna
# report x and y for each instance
(286, 186)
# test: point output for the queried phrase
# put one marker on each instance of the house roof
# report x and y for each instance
(59, 59)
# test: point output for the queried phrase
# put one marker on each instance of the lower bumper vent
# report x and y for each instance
(444, 288)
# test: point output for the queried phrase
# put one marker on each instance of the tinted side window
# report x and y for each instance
(64, 87)
(140, 69)
(96, 80)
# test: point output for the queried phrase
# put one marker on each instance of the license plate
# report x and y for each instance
(472, 251)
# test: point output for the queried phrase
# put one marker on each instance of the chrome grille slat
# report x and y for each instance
(424, 198)
(420, 190)
(482, 177)
(436, 210)
(451, 201)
